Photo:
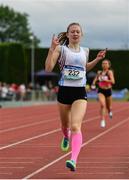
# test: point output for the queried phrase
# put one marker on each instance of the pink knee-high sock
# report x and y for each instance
(76, 145)
(66, 132)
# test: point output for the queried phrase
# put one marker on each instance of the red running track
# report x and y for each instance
(30, 144)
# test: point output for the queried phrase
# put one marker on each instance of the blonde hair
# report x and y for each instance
(63, 39)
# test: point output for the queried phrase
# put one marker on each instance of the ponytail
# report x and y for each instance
(63, 40)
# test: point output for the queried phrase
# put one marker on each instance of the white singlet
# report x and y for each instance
(73, 67)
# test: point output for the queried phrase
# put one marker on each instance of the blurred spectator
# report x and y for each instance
(29, 92)
(37, 91)
(22, 92)
(0, 89)
(14, 92)
(4, 91)
(45, 92)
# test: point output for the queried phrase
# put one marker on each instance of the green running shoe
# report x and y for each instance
(71, 165)
(65, 144)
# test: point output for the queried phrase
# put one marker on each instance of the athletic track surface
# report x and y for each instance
(30, 144)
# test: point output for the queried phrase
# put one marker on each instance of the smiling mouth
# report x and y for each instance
(75, 38)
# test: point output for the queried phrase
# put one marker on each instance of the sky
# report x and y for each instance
(105, 23)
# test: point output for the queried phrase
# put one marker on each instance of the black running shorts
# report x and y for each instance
(105, 92)
(67, 95)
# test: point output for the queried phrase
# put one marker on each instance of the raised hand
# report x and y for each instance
(101, 54)
(54, 42)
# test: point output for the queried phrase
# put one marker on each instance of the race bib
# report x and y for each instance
(73, 73)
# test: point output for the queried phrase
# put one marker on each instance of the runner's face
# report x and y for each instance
(74, 34)
(105, 65)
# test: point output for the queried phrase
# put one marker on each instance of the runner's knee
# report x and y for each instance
(75, 127)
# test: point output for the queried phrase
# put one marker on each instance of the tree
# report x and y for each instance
(14, 27)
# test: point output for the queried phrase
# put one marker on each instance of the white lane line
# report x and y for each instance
(98, 173)
(27, 117)
(28, 125)
(50, 132)
(18, 158)
(114, 112)
(38, 136)
(84, 144)
(17, 162)
(103, 167)
(29, 139)
(102, 162)
(103, 158)
(42, 122)
(42, 146)
(11, 167)
(110, 146)
(2, 173)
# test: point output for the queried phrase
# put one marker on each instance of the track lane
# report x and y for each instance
(40, 148)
